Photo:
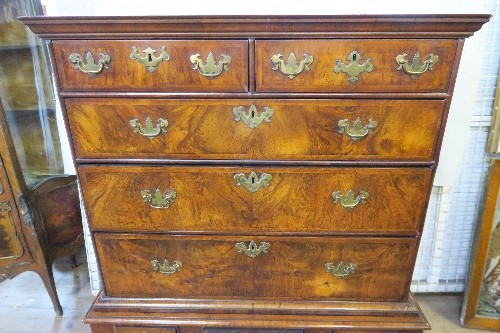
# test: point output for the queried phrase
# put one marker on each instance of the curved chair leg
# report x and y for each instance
(47, 277)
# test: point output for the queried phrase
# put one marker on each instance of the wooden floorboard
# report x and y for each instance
(25, 306)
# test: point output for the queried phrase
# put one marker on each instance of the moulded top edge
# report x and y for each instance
(419, 26)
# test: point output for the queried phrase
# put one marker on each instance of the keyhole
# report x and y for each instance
(253, 114)
(150, 58)
(253, 180)
(354, 57)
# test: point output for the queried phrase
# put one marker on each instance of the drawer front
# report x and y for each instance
(225, 129)
(281, 267)
(381, 76)
(208, 199)
(173, 75)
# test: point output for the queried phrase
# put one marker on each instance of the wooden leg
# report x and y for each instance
(48, 280)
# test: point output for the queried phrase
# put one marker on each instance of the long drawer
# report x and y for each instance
(255, 129)
(323, 65)
(186, 66)
(264, 199)
(255, 267)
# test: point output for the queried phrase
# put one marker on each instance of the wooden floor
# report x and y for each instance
(26, 308)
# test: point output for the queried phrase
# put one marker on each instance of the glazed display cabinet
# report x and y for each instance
(39, 207)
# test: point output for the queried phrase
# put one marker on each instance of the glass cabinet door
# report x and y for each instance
(26, 93)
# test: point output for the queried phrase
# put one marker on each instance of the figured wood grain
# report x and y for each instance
(299, 129)
(296, 212)
(293, 268)
(297, 199)
(176, 74)
(384, 77)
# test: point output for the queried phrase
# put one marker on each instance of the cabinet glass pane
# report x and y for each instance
(26, 93)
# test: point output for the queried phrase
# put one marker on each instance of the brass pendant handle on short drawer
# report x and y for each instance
(416, 67)
(340, 270)
(253, 250)
(166, 268)
(149, 130)
(350, 201)
(210, 69)
(158, 200)
(251, 118)
(89, 66)
(292, 67)
(354, 68)
(253, 183)
(149, 60)
(357, 130)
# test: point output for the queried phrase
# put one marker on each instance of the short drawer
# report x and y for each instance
(322, 65)
(186, 69)
(263, 199)
(255, 129)
(256, 267)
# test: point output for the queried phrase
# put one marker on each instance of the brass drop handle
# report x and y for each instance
(252, 118)
(357, 130)
(210, 69)
(149, 60)
(253, 250)
(166, 268)
(416, 67)
(350, 201)
(253, 183)
(340, 270)
(354, 68)
(158, 200)
(149, 130)
(90, 67)
(292, 67)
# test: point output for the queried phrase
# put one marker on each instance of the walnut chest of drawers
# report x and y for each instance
(256, 173)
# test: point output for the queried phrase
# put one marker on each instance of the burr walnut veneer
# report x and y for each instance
(256, 173)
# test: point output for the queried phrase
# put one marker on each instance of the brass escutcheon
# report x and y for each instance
(211, 69)
(150, 60)
(357, 130)
(90, 67)
(148, 130)
(416, 67)
(354, 68)
(158, 200)
(251, 118)
(340, 270)
(253, 183)
(291, 69)
(350, 201)
(253, 250)
(166, 268)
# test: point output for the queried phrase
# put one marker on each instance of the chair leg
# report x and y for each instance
(48, 280)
